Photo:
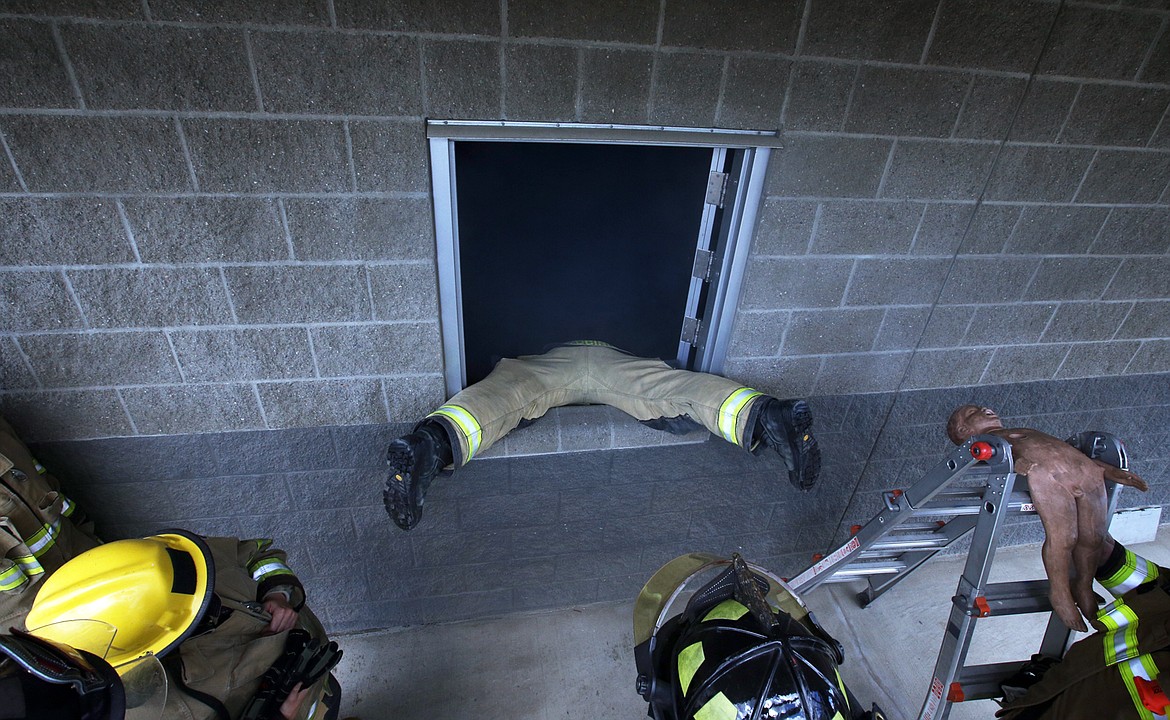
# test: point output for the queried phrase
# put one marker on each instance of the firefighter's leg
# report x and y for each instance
(650, 390)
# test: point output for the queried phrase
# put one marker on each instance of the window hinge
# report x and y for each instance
(704, 263)
(717, 188)
(690, 330)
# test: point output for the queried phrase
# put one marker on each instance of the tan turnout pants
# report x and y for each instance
(525, 388)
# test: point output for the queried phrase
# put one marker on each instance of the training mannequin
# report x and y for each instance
(1068, 489)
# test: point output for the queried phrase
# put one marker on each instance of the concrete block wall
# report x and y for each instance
(216, 216)
(218, 265)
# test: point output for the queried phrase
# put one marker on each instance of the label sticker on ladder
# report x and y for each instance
(825, 562)
(935, 697)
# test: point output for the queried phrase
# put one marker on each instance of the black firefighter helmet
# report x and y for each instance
(41, 679)
(743, 647)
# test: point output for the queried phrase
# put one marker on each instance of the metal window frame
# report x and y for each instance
(742, 210)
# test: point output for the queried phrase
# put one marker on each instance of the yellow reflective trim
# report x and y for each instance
(689, 661)
(12, 578)
(1134, 571)
(1127, 676)
(30, 565)
(726, 610)
(717, 708)
(467, 425)
(731, 408)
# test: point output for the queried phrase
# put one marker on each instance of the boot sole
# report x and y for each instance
(400, 486)
(806, 453)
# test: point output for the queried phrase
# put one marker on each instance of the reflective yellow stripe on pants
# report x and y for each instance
(730, 410)
(468, 426)
(1121, 649)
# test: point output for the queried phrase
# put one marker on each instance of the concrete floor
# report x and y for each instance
(578, 663)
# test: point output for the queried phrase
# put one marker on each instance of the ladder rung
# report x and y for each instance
(1016, 598)
(981, 682)
(894, 542)
(858, 569)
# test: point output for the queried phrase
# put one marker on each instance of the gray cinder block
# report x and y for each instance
(753, 93)
(390, 155)
(1126, 177)
(207, 229)
(784, 227)
(1008, 324)
(896, 281)
(1138, 231)
(832, 331)
(404, 292)
(398, 349)
(902, 327)
(995, 34)
(470, 17)
(948, 368)
(97, 154)
(264, 12)
(935, 169)
(988, 280)
(950, 227)
(1094, 359)
(14, 373)
(818, 93)
(37, 301)
(1021, 363)
(336, 73)
(860, 30)
(1084, 321)
(112, 9)
(615, 85)
(990, 110)
(756, 25)
(541, 82)
(866, 228)
(1140, 279)
(1099, 43)
(268, 155)
(686, 89)
(34, 76)
(863, 372)
(281, 294)
(905, 102)
(65, 414)
(1071, 278)
(160, 67)
(1056, 229)
(629, 22)
(795, 283)
(462, 79)
(61, 231)
(758, 333)
(361, 229)
(1153, 356)
(1115, 115)
(152, 297)
(828, 166)
(177, 409)
(1041, 173)
(101, 359)
(1150, 319)
(243, 354)
(311, 403)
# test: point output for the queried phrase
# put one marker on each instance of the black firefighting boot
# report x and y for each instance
(414, 461)
(783, 425)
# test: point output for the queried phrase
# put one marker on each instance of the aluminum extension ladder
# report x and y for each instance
(975, 488)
